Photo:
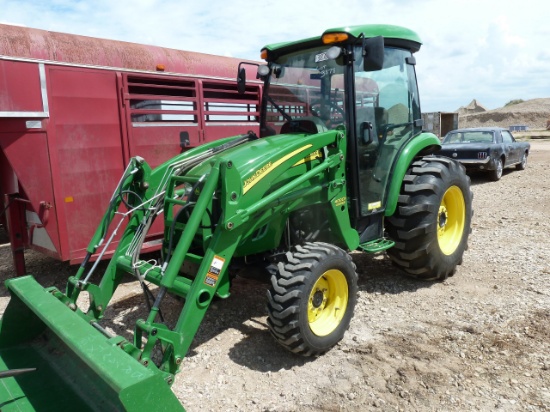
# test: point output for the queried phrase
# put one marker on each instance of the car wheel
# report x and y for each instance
(497, 173)
(521, 165)
(433, 219)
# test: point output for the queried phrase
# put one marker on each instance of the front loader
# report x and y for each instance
(341, 164)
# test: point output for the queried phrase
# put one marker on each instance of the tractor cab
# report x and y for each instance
(347, 80)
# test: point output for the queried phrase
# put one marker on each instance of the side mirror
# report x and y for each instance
(263, 70)
(241, 80)
(373, 53)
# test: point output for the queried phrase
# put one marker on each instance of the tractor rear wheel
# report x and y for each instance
(312, 298)
(433, 219)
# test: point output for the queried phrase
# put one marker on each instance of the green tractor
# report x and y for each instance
(341, 164)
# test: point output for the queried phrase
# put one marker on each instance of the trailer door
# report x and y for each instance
(85, 149)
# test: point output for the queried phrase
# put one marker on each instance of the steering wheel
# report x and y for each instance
(315, 109)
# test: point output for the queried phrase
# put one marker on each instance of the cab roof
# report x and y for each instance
(396, 36)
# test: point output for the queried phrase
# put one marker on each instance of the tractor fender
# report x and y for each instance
(421, 145)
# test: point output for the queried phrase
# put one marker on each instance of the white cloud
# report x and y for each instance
(492, 50)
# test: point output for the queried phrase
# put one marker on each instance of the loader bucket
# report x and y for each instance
(77, 367)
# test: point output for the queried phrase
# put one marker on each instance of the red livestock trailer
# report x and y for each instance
(74, 110)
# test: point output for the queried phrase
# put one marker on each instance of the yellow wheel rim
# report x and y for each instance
(327, 302)
(451, 217)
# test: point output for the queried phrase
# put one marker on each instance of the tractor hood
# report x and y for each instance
(260, 162)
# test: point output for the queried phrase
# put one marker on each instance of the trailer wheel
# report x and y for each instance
(433, 219)
(312, 298)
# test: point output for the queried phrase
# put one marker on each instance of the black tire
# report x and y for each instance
(523, 162)
(497, 173)
(306, 292)
(433, 219)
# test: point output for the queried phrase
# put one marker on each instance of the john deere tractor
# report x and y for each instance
(341, 164)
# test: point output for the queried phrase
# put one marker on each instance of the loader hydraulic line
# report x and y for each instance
(15, 372)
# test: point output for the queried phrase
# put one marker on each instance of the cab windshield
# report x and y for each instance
(307, 85)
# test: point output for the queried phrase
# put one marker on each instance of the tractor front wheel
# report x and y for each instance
(312, 298)
(433, 219)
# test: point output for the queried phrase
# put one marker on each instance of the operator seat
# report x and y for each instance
(309, 124)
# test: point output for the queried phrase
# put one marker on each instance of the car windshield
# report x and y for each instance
(469, 137)
(307, 83)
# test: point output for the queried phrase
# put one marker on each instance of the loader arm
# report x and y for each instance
(243, 213)
(191, 185)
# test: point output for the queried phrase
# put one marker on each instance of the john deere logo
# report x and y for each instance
(248, 183)
(269, 167)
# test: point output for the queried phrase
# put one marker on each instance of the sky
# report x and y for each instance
(493, 51)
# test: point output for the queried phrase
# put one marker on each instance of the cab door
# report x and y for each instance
(386, 107)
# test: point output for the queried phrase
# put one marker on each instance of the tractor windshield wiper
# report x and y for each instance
(281, 110)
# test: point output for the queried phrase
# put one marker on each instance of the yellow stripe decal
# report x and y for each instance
(268, 168)
(312, 156)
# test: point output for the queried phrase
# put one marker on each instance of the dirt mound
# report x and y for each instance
(473, 108)
(533, 113)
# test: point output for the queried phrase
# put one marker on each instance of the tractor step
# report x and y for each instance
(377, 245)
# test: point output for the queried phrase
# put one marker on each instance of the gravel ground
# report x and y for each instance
(479, 341)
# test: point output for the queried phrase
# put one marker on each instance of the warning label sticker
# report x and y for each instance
(214, 272)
